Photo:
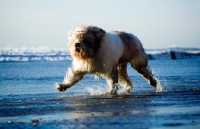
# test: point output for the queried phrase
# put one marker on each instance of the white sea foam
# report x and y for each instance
(53, 54)
(33, 54)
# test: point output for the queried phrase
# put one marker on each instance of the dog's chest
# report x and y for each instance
(89, 66)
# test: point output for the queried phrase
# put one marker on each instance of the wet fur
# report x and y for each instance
(98, 52)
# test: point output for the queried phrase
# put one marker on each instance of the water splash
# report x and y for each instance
(96, 90)
(158, 86)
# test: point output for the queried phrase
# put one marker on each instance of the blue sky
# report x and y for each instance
(157, 23)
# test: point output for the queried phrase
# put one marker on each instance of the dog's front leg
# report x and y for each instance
(113, 82)
(71, 78)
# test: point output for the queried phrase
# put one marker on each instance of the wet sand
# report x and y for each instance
(175, 109)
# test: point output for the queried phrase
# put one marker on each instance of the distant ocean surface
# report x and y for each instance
(50, 54)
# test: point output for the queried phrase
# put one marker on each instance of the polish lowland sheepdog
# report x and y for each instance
(106, 54)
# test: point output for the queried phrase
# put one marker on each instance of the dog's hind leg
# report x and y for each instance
(147, 73)
(71, 78)
(141, 66)
(124, 80)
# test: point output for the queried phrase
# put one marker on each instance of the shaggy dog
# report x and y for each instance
(106, 54)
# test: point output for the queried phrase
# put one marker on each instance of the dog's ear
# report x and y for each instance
(98, 32)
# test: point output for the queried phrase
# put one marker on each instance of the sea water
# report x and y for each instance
(40, 77)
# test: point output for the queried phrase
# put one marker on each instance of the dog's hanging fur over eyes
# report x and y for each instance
(95, 51)
(82, 37)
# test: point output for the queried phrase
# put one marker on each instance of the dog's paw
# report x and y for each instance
(60, 87)
(153, 82)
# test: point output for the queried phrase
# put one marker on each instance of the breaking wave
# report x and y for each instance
(174, 53)
(50, 54)
(33, 54)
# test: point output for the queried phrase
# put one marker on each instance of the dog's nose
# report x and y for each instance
(77, 45)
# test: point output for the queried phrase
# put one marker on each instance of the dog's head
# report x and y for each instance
(84, 41)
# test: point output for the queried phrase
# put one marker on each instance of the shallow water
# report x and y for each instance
(29, 99)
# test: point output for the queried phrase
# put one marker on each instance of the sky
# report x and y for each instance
(46, 23)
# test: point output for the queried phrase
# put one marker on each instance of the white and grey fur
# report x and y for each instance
(106, 54)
